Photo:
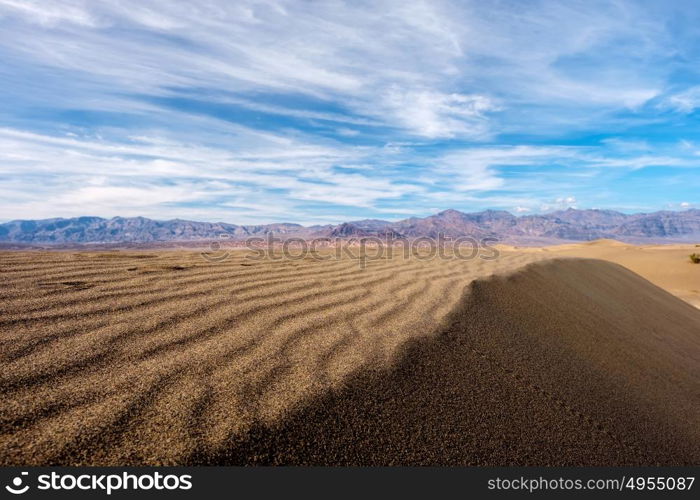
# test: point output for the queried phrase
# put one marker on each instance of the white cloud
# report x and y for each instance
(254, 178)
(431, 68)
(683, 102)
(50, 13)
(150, 175)
(433, 114)
(291, 102)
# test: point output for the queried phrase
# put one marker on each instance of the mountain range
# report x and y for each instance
(565, 225)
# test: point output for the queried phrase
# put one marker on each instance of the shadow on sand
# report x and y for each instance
(569, 362)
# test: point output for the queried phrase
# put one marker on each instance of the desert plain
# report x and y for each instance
(576, 354)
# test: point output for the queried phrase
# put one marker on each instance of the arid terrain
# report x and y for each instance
(580, 354)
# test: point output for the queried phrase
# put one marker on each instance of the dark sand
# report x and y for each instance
(570, 362)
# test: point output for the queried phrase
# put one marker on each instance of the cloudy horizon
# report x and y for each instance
(321, 112)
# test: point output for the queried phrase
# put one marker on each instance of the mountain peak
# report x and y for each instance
(450, 211)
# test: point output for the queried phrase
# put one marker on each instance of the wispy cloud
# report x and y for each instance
(255, 111)
(686, 101)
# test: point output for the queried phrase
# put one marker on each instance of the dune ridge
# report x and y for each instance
(555, 364)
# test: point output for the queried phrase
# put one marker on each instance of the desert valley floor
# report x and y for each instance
(581, 354)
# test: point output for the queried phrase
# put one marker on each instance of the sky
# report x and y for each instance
(325, 111)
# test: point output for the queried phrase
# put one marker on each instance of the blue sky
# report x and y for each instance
(319, 112)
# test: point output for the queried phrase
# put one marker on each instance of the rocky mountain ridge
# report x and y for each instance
(566, 225)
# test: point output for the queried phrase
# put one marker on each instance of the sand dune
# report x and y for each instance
(164, 358)
(555, 365)
(606, 242)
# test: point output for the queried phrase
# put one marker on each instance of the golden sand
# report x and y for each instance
(161, 357)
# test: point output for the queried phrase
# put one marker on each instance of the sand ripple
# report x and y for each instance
(114, 358)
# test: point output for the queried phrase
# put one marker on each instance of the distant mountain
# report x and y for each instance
(661, 224)
(371, 224)
(130, 229)
(358, 230)
(567, 225)
(452, 223)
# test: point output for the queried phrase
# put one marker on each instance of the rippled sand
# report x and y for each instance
(161, 357)
(158, 356)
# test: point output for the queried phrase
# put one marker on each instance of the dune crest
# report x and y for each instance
(557, 364)
(606, 242)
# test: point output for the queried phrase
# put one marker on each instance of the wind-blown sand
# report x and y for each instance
(163, 358)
